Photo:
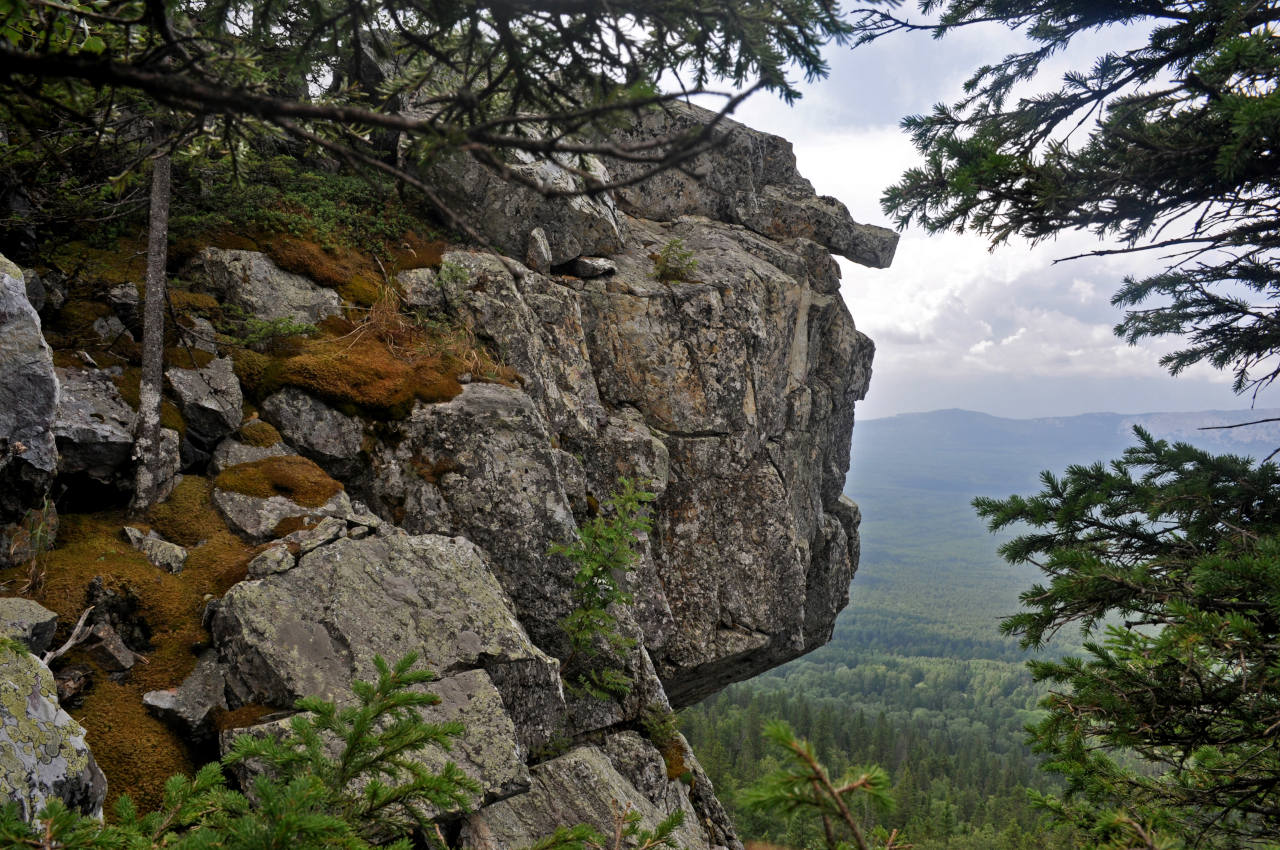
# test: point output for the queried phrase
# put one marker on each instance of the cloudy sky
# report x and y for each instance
(1007, 332)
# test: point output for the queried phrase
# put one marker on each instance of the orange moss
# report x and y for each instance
(198, 303)
(290, 524)
(357, 276)
(246, 715)
(377, 367)
(257, 433)
(291, 476)
(136, 751)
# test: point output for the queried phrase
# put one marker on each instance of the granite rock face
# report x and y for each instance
(29, 394)
(505, 212)
(750, 178)
(725, 386)
(43, 755)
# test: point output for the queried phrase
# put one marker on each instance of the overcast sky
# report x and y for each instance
(1005, 332)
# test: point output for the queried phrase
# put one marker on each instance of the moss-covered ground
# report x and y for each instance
(136, 751)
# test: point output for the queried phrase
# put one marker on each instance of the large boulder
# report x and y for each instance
(749, 178)
(250, 281)
(504, 211)
(210, 400)
(27, 621)
(581, 786)
(43, 754)
(330, 438)
(28, 404)
(94, 430)
(312, 629)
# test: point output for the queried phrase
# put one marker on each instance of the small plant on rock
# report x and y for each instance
(673, 262)
(602, 556)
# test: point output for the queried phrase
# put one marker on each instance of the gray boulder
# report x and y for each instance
(317, 431)
(27, 621)
(313, 629)
(750, 178)
(43, 754)
(256, 519)
(232, 451)
(169, 557)
(210, 400)
(189, 708)
(581, 786)
(29, 395)
(94, 428)
(503, 211)
(250, 281)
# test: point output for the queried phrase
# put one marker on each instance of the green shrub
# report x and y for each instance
(342, 778)
(602, 556)
(673, 262)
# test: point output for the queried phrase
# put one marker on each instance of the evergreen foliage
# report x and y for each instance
(339, 778)
(1169, 560)
(1169, 142)
(627, 835)
(802, 783)
(601, 557)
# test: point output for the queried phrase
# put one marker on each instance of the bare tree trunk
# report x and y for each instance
(147, 445)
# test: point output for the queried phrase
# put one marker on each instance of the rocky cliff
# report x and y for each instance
(361, 493)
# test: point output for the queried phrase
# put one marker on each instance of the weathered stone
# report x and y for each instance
(316, 430)
(189, 708)
(34, 283)
(581, 786)
(200, 335)
(27, 621)
(420, 290)
(109, 650)
(250, 281)
(43, 754)
(538, 255)
(232, 451)
(324, 532)
(169, 463)
(588, 267)
(169, 557)
(750, 178)
(503, 211)
(29, 395)
(274, 559)
(256, 519)
(119, 608)
(111, 330)
(125, 302)
(503, 493)
(94, 429)
(314, 628)
(209, 398)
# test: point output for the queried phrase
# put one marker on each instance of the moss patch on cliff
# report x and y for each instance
(378, 366)
(136, 751)
(291, 476)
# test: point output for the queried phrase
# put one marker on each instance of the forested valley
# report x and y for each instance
(917, 677)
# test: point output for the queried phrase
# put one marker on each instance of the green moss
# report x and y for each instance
(257, 433)
(291, 476)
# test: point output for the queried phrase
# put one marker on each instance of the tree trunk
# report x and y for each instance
(148, 478)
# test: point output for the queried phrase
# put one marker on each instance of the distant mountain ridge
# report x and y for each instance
(963, 450)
